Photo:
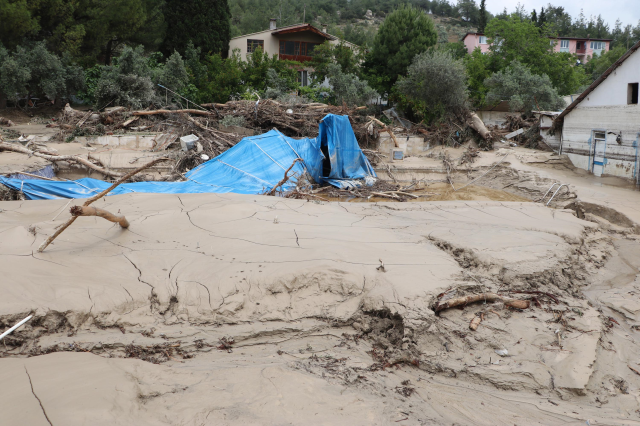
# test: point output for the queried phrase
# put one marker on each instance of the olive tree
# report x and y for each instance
(435, 85)
(523, 89)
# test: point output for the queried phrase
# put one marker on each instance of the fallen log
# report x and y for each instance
(177, 111)
(476, 124)
(95, 211)
(482, 297)
(72, 219)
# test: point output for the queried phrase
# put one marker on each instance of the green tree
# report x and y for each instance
(110, 24)
(404, 33)
(542, 19)
(599, 64)
(468, 10)
(33, 70)
(327, 54)
(16, 22)
(437, 83)
(482, 19)
(534, 17)
(479, 67)
(348, 88)
(524, 90)
(205, 23)
(514, 39)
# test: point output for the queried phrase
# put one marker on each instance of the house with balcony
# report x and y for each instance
(584, 48)
(293, 42)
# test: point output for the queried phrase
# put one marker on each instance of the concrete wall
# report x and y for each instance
(495, 118)
(620, 159)
(411, 145)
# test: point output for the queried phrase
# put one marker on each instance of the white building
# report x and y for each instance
(601, 128)
(293, 42)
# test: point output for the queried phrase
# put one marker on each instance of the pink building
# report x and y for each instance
(585, 48)
(473, 40)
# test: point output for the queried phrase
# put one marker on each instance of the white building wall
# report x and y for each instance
(621, 159)
(271, 43)
(613, 90)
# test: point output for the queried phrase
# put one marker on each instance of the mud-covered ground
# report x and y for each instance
(234, 309)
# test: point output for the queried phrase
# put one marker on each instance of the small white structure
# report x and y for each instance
(601, 128)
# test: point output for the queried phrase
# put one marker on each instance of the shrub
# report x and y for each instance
(435, 85)
(524, 90)
(348, 88)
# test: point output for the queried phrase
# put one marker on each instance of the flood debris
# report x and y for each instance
(73, 217)
(95, 211)
(482, 297)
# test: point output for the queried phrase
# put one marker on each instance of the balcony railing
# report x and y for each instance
(299, 58)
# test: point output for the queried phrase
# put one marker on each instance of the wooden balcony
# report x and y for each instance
(298, 58)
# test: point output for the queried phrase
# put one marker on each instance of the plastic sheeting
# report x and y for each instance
(254, 165)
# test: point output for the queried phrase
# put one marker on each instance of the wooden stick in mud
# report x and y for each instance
(97, 197)
(284, 179)
(482, 297)
(95, 211)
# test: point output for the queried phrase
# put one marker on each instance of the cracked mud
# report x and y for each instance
(209, 311)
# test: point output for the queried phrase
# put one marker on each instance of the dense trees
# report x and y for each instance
(205, 23)
(405, 33)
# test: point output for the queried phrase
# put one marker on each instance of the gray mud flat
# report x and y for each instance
(234, 309)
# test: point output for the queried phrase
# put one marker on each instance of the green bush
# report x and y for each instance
(524, 90)
(348, 88)
(436, 85)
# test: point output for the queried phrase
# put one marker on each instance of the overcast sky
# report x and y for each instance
(627, 10)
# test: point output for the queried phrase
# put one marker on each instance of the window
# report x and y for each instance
(564, 44)
(252, 45)
(482, 40)
(632, 94)
(303, 78)
(597, 45)
(579, 45)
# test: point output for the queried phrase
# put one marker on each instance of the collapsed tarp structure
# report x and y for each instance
(255, 165)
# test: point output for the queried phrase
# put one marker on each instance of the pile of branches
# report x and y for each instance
(296, 120)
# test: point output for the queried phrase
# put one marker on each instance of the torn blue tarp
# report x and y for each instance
(255, 165)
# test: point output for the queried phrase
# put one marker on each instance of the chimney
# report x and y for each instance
(272, 23)
(324, 28)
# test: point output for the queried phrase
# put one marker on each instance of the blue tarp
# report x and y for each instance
(252, 166)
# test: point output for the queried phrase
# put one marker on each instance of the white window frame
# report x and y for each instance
(482, 40)
(564, 44)
(598, 45)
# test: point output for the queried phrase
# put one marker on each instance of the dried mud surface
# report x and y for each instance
(231, 309)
